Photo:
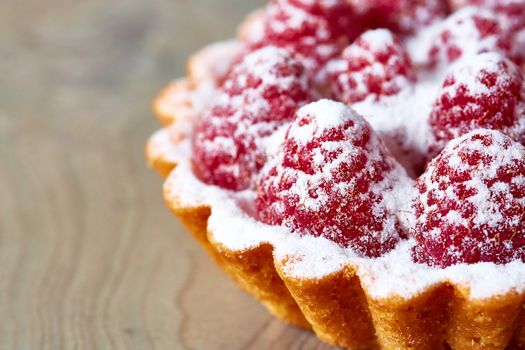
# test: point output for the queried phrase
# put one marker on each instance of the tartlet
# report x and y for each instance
(396, 288)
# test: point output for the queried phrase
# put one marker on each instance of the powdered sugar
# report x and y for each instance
(467, 74)
(402, 120)
(397, 275)
(161, 146)
(490, 63)
(327, 113)
(378, 39)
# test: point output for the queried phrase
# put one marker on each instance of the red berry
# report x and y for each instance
(375, 64)
(315, 31)
(471, 205)
(512, 13)
(262, 93)
(332, 177)
(513, 8)
(487, 91)
(467, 32)
(402, 16)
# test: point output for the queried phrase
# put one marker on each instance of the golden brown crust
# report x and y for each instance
(519, 335)
(161, 165)
(156, 158)
(174, 102)
(336, 307)
(417, 323)
(487, 324)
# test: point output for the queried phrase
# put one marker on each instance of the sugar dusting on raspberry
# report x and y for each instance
(472, 30)
(466, 32)
(471, 206)
(375, 65)
(330, 178)
(512, 14)
(262, 93)
(315, 31)
(487, 91)
(402, 16)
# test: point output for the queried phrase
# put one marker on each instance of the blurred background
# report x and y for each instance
(90, 258)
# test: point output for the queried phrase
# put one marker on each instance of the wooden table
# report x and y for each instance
(89, 256)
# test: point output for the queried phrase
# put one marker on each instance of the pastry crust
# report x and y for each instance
(252, 26)
(212, 63)
(174, 102)
(336, 307)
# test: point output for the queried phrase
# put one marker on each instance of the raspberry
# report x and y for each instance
(484, 92)
(512, 16)
(402, 16)
(332, 177)
(471, 204)
(513, 8)
(262, 93)
(375, 64)
(315, 31)
(469, 31)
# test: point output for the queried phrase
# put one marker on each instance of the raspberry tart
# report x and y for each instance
(359, 167)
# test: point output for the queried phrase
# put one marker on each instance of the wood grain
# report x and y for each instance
(89, 256)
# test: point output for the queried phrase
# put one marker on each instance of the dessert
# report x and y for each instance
(359, 168)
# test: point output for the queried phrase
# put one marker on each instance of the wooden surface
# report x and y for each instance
(89, 256)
